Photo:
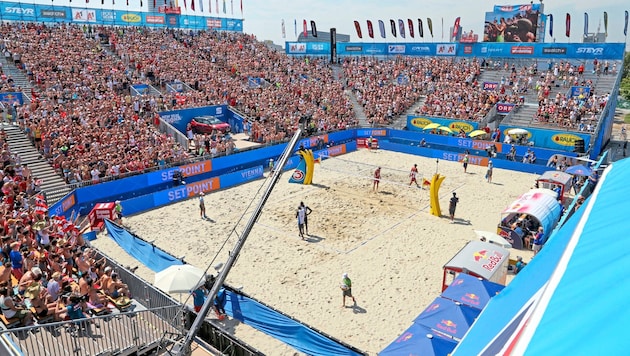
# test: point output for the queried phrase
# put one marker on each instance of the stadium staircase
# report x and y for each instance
(358, 109)
(52, 184)
(20, 80)
(400, 122)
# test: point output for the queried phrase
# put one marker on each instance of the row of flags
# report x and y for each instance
(192, 5)
(398, 28)
(568, 24)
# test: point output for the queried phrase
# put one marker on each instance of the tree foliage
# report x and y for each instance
(624, 88)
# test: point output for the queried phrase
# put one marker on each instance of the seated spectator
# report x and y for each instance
(11, 310)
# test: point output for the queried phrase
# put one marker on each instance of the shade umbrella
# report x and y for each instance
(445, 128)
(431, 126)
(179, 279)
(517, 132)
(471, 290)
(579, 170)
(448, 317)
(419, 340)
(477, 133)
(493, 238)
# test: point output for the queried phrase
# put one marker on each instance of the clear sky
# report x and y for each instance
(263, 17)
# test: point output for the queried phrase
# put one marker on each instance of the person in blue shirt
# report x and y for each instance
(199, 297)
(519, 264)
(219, 303)
(538, 240)
(17, 260)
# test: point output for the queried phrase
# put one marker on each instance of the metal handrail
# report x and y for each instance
(120, 332)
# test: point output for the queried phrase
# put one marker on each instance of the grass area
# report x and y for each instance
(626, 119)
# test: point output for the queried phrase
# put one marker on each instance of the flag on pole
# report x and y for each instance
(606, 23)
(201, 5)
(420, 29)
(304, 28)
(224, 8)
(370, 29)
(357, 26)
(401, 28)
(392, 24)
(192, 5)
(313, 29)
(232, 7)
(442, 28)
(550, 25)
(430, 26)
(295, 26)
(241, 7)
(216, 7)
(209, 5)
(410, 26)
(284, 33)
(625, 27)
(456, 27)
(381, 27)
(568, 25)
(585, 24)
(185, 4)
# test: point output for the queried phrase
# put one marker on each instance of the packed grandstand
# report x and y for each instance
(80, 115)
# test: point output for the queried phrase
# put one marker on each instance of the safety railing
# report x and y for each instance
(109, 334)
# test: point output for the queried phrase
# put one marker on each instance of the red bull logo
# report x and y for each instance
(470, 298)
(457, 282)
(405, 337)
(432, 307)
(480, 255)
(447, 326)
(493, 261)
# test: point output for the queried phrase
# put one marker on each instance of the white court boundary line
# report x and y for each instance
(363, 242)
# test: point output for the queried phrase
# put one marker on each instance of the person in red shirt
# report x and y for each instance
(413, 175)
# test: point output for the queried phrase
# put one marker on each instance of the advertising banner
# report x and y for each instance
(504, 108)
(512, 23)
(132, 15)
(612, 51)
(578, 90)
(558, 140)
(180, 118)
(11, 98)
(490, 85)
(417, 123)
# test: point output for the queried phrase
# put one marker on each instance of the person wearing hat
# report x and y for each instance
(452, 205)
(346, 287)
(202, 206)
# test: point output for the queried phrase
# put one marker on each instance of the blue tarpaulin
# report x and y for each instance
(281, 327)
(151, 256)
(419, 340)
(472, 291)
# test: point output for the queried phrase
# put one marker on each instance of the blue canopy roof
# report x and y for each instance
(418, 340)
(574, 286)
(448, 317)
(472, 291)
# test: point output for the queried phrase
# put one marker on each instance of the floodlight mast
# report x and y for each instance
(185, 349)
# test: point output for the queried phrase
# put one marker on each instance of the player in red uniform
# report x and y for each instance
(413, 175)
(377, 178)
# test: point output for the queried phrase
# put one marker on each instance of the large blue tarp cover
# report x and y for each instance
(151, 256)
(282, 327)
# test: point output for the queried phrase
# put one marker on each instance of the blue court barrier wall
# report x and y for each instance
(130, 15)
(143, 192)
(458, 157)
(418, 122)
(586, 51)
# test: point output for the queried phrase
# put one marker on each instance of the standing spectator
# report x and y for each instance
(489, 171)
(301, 216)
(202, 206)
(307, 212)
(199, 297)
(452, 206)
(219, 303)
(537, 242)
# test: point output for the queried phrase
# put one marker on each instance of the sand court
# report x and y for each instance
(387, 241)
